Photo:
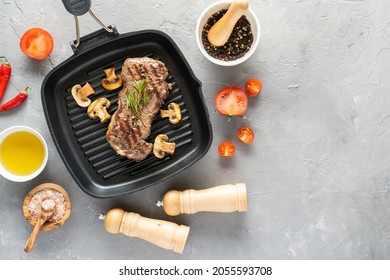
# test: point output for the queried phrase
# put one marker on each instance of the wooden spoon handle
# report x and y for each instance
(33, 237)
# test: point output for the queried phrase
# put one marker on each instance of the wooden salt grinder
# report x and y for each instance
(164, 234)
(225, 198)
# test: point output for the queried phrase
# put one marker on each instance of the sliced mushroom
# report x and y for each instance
(98, 109)
(162, 146)
(111, 81)
(173, 112)
(80, 94)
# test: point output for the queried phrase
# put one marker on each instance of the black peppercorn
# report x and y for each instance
(238, 43)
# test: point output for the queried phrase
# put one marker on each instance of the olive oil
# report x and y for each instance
(22, 153)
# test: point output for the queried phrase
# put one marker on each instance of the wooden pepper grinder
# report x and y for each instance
(226, 199)
(164, 234)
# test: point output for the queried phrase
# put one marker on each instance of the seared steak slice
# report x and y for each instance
(126, 132)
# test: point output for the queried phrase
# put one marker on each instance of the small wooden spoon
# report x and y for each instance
(223, 28)
(43, 216)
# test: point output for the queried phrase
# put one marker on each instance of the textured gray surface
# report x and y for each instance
(318, 173)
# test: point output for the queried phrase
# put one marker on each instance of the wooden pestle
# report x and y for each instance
(220, 32)
(164, 234)
(225, 198)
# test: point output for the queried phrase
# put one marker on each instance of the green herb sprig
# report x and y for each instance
(135, 99)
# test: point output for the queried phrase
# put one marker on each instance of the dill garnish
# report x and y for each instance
(135, 99)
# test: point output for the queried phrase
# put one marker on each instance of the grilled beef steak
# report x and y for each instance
(127, 131)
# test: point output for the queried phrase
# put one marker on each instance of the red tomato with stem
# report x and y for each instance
(231, 101)
(245, 135)
(37, 43)
(226, 149)
(253, 87)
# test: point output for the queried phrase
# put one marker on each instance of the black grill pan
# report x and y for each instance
(81, 142)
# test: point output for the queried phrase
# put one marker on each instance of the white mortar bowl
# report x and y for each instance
(22, 178)
(208, 12)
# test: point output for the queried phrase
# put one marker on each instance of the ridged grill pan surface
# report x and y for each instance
(81, 141)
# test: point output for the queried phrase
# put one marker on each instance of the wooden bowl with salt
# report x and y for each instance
(60, 215)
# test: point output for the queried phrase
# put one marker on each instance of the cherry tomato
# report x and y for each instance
(226, 149)
(231, 101)
(253, 87)
(245, 135)
(37, 43)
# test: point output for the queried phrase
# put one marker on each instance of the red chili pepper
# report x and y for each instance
(16, 101)
(5, 73)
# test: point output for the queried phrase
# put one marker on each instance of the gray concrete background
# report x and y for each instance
(318, 173)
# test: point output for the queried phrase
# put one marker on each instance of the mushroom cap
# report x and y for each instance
(80, 94)
(157, 145)
(162, 146)
(98, 109)
(111, 81)
(173, 112)
(161, 138)
(176, 109)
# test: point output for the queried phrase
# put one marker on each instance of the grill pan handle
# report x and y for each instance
(79, 8)
(94, 39)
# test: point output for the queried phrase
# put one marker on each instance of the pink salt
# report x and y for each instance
(46, 198)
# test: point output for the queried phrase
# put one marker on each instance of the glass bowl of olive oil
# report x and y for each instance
(23, 153)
